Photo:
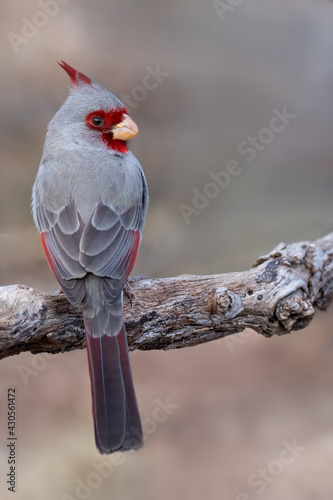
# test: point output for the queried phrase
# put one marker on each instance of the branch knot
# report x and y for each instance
(295, 311)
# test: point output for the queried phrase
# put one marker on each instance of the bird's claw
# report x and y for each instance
(134, 279)
(127, 287)
(127, 291)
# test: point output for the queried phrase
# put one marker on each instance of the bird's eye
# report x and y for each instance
(97, 121)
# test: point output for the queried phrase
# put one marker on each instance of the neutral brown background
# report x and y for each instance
(237, 402)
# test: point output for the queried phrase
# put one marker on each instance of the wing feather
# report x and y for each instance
(109, 252)
(106, 246)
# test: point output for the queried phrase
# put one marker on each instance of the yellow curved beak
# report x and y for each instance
(126, 129)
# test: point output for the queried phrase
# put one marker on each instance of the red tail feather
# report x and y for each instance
(116, 416)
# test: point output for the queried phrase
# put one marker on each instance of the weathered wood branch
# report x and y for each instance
(278, 295)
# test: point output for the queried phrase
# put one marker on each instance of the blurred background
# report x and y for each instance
(220, 71)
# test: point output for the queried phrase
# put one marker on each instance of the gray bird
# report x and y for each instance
(89, 203)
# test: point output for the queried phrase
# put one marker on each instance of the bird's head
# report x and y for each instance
(96, 113)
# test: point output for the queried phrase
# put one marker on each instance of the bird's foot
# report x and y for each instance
(132, 279)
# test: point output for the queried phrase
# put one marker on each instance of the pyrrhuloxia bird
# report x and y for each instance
(89, 203)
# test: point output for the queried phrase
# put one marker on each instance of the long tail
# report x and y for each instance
(116, 416)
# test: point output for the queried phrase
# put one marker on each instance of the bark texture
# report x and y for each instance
(279, 294)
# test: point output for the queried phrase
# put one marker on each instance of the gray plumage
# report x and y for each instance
(89, 202)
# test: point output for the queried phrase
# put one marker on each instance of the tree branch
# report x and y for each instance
(276, 296)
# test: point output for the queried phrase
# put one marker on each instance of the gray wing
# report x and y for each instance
(106, 247)
(61, 234)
